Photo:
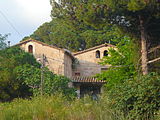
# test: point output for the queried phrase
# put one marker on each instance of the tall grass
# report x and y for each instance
(58, 108)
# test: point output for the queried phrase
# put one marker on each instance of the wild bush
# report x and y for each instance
(122, 61)
(20, 76)
(50, 85)
(10, 59)
(57, 107)
(138, 98)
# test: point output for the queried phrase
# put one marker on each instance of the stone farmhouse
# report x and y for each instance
(80, 67)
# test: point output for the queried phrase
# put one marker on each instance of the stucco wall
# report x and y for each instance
(88, 63)
(54, 57)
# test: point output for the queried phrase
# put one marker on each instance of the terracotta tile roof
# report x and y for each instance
(86, 80)
(93, 48)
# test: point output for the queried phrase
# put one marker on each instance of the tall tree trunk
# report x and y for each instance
(143, 47)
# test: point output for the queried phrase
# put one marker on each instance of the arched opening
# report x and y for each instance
(97, 54)
(105, 53)
(30, 49)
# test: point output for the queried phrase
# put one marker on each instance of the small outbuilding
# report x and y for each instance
(87, 86)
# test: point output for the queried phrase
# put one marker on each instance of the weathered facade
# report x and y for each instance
(63, 62)
(88, 60)
(58, 60)
(80, 66)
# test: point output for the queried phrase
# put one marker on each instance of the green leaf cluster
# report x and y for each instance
(122, 61)
(51, 83)
(125, 14)
(139, 97)
(74, 36)
(77, 25)
(10, 59)
(20, 76)
(2, 41)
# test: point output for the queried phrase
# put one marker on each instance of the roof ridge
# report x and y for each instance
(52, 46)
(92, 48)
(30, 39)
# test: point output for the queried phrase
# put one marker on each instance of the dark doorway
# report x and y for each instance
(89, 90)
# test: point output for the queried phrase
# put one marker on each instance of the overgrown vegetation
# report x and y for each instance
(77, 25)
(20, 76)
(10, 86)
(122, 61)
(52, 83)
(138, 97)
(58, 108)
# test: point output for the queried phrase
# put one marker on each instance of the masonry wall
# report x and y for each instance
(54, 56)
(67, 65)
(60, 62)
(88, 63)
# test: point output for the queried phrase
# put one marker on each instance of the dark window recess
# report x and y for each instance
(30, 49)
(97, 54)
(77, 74)
(105, 53)
(103, 69)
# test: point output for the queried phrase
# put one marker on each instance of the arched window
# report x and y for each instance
(30, 49)
(97, 54)
(105, 53)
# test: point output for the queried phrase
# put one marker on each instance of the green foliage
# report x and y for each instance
(10, 59)
(69, 29)
(59, 33)
(2, 41)
(108, 34)
(58, 108)
(122, 61)
(124, 13)
(137, 18)
(31, 76)
(74, 36)
(20, 76)
(138, 98)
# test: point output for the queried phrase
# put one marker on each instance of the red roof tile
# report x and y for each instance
(86, 80)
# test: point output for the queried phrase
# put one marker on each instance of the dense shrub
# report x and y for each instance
(20, 76)
(51, 83)
(58, 108)
(138, 98)
(10, 86)
(121, 61)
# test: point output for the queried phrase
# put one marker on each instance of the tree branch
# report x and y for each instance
(154, 60)
(153, 49)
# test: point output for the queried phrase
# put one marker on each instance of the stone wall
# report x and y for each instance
(56, 59)
(59, 61)
(88, 63)
(67, 65)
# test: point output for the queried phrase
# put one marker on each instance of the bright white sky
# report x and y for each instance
(25, 15)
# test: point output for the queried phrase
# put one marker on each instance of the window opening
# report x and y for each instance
(30, 49)
(105, 53)
(77, 74)
(97, 54)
